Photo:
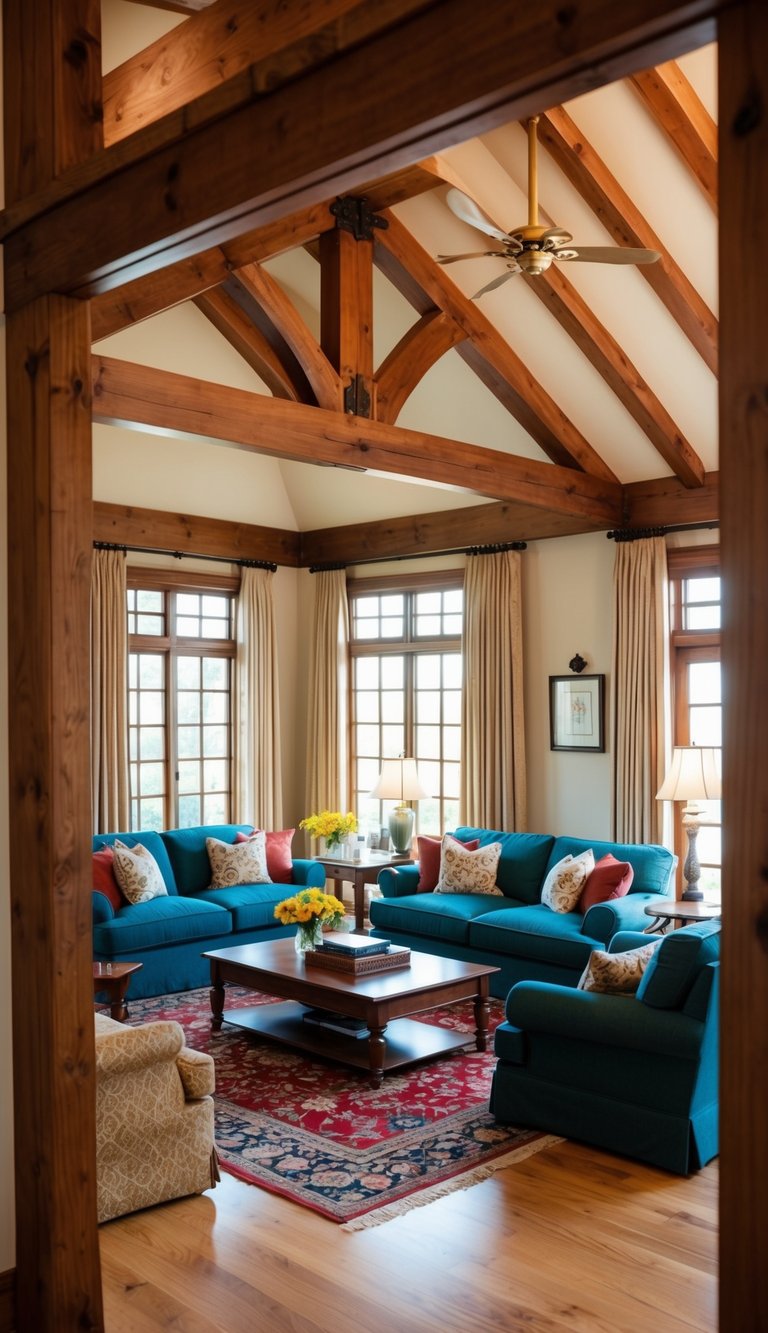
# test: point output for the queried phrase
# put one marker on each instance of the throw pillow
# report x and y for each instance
(279, 859)
(617, 973)
(429, 861)
(565, 881)
(104, 877)
(238, 863)
(463, 871)
(137, 873)
(609, 879)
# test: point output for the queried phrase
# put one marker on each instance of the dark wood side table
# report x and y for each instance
(359, 873)
(665, 910)
(113, 978)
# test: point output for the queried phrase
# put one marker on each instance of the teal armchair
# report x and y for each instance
(636, 1075)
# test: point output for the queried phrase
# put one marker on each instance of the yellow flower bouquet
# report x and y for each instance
(310, 910)
(331, 825)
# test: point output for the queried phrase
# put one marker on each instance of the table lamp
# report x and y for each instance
(399, 781)
(693, 776)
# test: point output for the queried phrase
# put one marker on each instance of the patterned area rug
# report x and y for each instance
(319, 1135)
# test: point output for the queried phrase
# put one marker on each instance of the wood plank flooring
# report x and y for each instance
(570, 1239)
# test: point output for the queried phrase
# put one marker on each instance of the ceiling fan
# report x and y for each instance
(531, 249)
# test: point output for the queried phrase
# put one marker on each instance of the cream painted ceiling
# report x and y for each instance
(450, 401)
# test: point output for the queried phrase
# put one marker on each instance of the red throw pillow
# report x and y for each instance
(609, 879)
(429, 861)
(104, 877)
(279, 861)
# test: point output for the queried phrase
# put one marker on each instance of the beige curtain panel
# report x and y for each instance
(493, 774)
(328, 723)
(258, 797)
(109, 692)
(640, 687)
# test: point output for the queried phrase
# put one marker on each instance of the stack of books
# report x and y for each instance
(357, 954)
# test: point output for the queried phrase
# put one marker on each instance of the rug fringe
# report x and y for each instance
(461, 1182)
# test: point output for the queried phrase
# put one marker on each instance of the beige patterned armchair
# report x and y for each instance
(154, 1117)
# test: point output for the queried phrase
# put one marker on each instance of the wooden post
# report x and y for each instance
(346, 308)
(743, 155)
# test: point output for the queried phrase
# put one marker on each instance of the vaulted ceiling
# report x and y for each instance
(582, 399)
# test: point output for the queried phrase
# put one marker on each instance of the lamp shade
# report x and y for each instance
(693, 775)
(399, 781)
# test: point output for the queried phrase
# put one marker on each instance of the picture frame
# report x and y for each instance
(577, 713)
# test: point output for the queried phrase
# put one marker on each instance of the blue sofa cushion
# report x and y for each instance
(652, 864)
(534, 932)
(166, 920)
(438, 916)
(677, 962)
(153, 843)
(249, 905)
(521, 863)
(188, 853)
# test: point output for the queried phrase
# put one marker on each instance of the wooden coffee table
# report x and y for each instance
(383, 1000)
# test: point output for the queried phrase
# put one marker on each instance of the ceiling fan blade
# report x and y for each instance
(489, 286)
(474, 254)
(468, 211)
(609, 254)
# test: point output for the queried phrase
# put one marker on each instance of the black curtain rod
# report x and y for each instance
(186, 555)
(423, 555)
(636, 534)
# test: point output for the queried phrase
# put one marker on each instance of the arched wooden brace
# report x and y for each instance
(407, 364)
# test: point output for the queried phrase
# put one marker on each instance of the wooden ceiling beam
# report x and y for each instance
(683, 118)
(486, 351)
(368, 111)
(665, 501)
(620, 374)
(578, 160)
(176, 6)
(193, 534)
(408, 362)
(232, 322)
(131, 395)
(346, 313)
(326, 383)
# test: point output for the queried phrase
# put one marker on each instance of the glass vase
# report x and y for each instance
(308, 935)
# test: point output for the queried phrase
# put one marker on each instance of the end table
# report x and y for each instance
(113, 978)
(665, 910)
(359, 873)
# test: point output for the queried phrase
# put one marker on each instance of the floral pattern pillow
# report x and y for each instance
(617, 973)
(563, 885)
(465, 871)
(137, 873)
(238, 863)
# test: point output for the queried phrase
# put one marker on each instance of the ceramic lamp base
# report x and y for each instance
(401, 822)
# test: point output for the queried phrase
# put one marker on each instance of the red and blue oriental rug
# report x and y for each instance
(316, 1133)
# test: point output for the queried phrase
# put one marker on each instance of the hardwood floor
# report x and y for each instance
(570, 1239)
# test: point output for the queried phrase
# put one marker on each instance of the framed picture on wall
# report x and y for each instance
(576, 707)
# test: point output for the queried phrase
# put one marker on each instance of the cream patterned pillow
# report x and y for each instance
(617, 973)
(563, 885)
(137, 873)
(463, 871)
(238, 863)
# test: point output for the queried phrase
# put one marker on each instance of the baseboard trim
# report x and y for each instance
(8, 1301)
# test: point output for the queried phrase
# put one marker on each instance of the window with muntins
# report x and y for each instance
(406, 681)
(181, 648)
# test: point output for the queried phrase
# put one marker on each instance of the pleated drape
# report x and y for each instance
(327, 724)
(109, 692)
(493, 771)
(640, 687)
(257, 784)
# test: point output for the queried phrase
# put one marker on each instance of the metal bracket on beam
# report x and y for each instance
(357, 399)
(354, 215)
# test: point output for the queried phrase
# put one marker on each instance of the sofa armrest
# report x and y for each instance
(122, 1048)
(628, 913)
(101, 908)
(605, 1020)
(630, 939)
(196, 1070)
(309, 874)
(399, 883)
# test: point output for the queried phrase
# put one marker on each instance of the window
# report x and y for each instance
(181, 646)
(695, 627)
(406, 691)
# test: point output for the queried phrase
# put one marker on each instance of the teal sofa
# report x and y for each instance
(519, 934)
(636, 1075)
(169, 934)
